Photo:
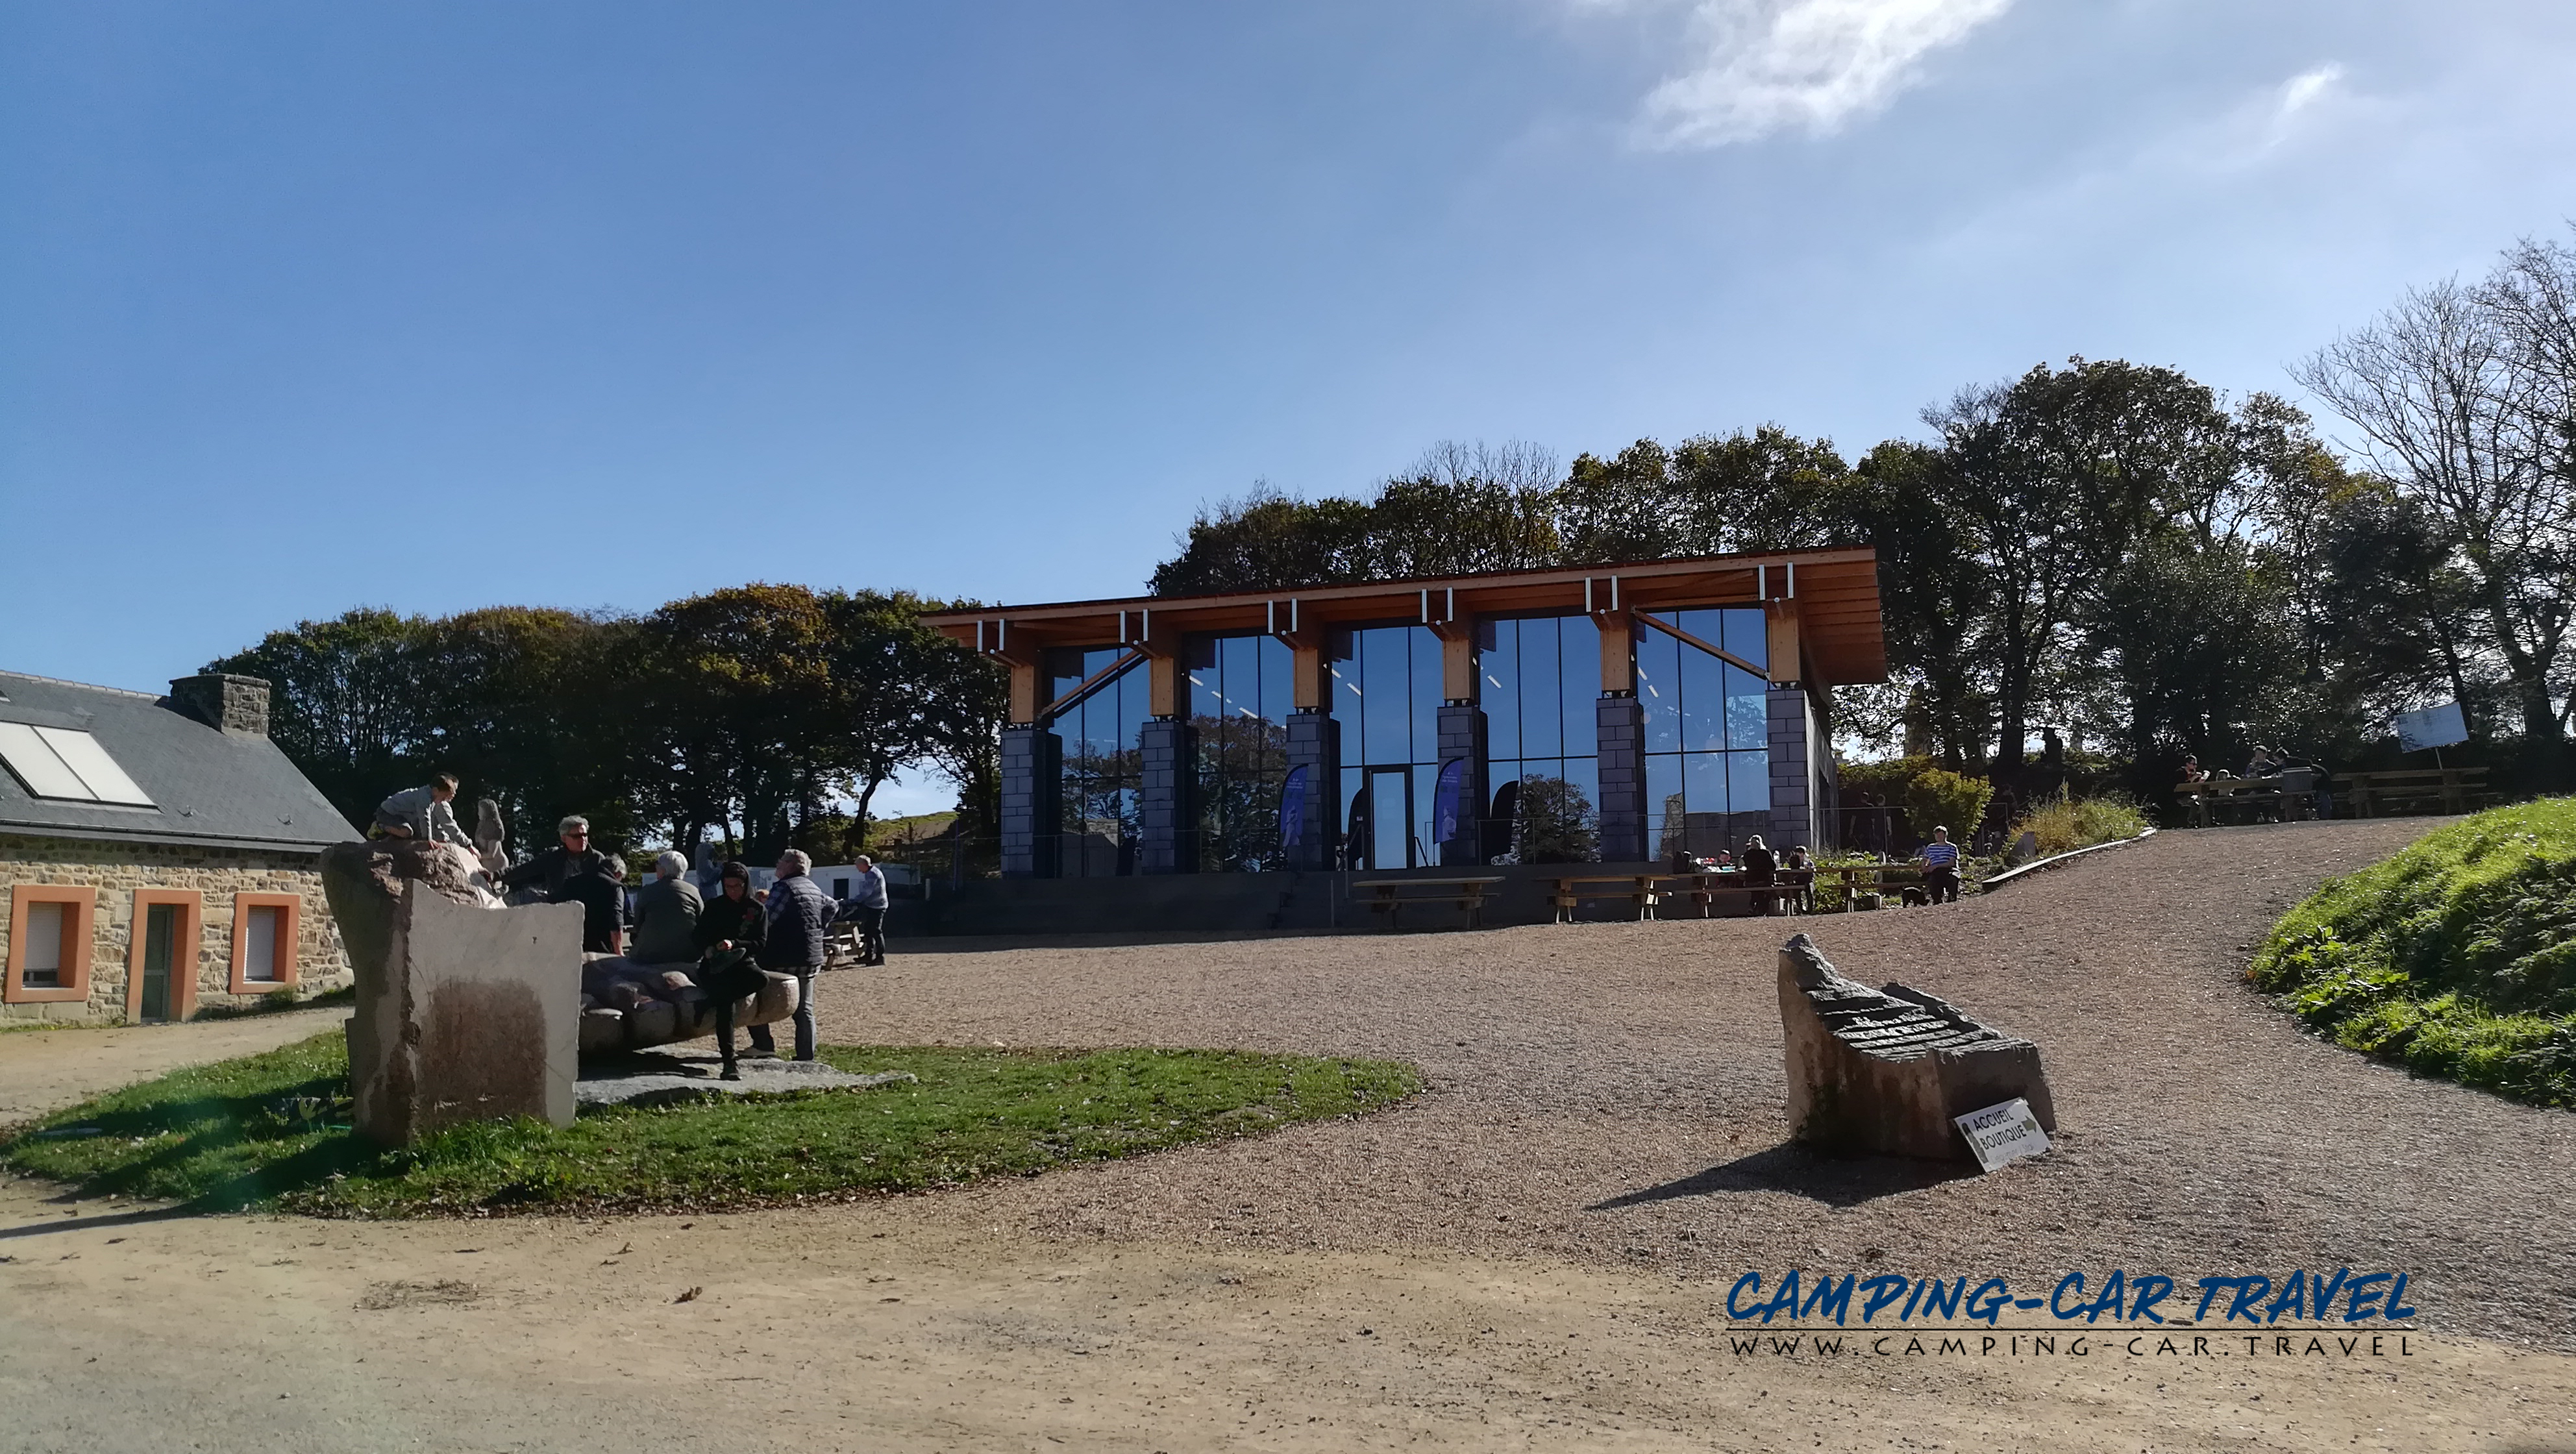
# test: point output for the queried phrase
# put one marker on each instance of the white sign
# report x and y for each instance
(2003, 1134)
(2433, 727)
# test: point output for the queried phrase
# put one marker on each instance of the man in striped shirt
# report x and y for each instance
(1941, 867)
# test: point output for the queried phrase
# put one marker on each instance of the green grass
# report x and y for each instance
(270, 1131)
(2456, 957)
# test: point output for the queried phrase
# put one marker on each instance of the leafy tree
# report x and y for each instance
(1556, 823)
(343, 705)
(1939, 798)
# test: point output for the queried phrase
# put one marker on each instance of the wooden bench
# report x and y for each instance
(1387, 896)
(1877, 878)
(2414, 788)
(1637, 888)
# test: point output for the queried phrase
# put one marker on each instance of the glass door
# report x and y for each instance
(1390, 818)
(160, 940)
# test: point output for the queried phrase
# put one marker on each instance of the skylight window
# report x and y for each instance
(55, 762)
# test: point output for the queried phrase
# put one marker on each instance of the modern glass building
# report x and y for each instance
(1620, 714)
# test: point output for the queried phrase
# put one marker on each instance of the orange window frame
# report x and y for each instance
(289, 929)
(187, 948)
(82, 903)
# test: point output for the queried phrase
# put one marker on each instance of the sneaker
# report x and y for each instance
(730, 1074)
(759, 1052)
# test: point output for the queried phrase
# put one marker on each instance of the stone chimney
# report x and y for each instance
(218, 699)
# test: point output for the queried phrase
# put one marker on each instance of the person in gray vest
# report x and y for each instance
(422, 813)
(666, 915)
(800, 929)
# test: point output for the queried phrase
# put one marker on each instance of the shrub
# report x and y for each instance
(2456, 957)
(2063, 827)
(1887, 777)
(1940, 798)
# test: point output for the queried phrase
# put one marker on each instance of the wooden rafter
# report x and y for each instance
(1684, 637)
(1095, 682)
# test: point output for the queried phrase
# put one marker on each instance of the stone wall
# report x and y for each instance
(116, 870)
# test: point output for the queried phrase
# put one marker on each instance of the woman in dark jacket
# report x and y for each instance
(731, 929)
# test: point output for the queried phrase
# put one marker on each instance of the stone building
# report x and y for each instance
(158, 855)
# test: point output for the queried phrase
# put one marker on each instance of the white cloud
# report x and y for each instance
(1770, 65)
(2307, 87)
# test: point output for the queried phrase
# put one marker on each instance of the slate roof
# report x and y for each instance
(212, 788)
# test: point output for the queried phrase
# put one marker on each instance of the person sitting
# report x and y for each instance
(666, 914)
(1802, 864)
(423, 813)
(598, 884)
(731, 929)
(2192, 772)
(868, 903)
(543, 874)
(1760, 864)
(1941, 868)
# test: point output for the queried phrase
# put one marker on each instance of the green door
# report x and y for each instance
(160, 940)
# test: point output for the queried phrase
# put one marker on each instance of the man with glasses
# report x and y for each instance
(545, 874)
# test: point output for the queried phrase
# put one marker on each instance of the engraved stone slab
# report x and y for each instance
(1884, 1071)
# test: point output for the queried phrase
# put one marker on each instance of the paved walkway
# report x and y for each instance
(45, 1070)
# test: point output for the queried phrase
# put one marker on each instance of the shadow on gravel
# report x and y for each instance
(1791, 1168)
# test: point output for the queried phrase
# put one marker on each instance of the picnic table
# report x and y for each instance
(1637, 888)
(2411, 788)
(1387, 896)
(2293, 803)
(1728, 886)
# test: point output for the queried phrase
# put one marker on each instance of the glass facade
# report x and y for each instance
(1705, 721)
(1708, 772)
(1241, 694)
(1103, 770)
(1386, 696)
(1541, 681)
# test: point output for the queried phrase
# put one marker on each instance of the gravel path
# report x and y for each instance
(1612, 1093)
(45, 1070)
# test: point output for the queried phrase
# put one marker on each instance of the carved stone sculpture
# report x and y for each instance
(466, 1011)
(1883, 1071)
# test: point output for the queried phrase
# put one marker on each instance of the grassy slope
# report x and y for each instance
(260, 1131)
(2457, 956)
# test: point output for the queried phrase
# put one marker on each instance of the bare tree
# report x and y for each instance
(2461, 396)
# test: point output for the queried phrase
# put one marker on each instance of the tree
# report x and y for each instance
(2463, 400)
(1459, 510)
(343, 705)
(2052, 479)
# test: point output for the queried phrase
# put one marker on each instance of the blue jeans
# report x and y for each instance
(804, 1018)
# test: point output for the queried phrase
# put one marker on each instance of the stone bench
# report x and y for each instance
(628, 1006)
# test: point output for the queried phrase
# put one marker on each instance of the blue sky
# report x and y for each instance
(304, 307)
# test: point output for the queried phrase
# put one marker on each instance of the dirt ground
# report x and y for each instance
(1533, 1255)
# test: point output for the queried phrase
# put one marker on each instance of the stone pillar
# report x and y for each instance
(1792, 818)
(1315, 744)
(1166, 826)
(1032, 802)
(1462, 735)
(1622, 722)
